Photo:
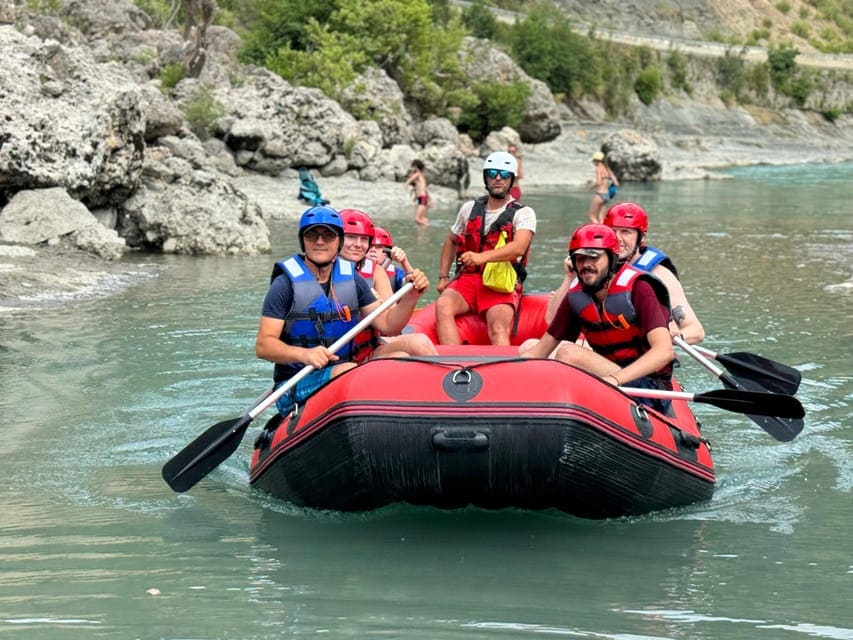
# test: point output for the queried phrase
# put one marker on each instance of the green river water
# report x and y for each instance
(98, 393)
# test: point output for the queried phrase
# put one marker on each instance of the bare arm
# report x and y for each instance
(542, 349)
(391, 322)
(684, 320)
(660, 355)
(448, 252)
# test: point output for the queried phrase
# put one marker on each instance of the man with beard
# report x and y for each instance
(472, 244)
(622, 311)
(630, 223)
(315, 298)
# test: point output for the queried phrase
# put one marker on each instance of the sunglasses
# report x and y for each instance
(312, 235)
(491, 174)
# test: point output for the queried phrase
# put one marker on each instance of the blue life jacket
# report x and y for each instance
(315, 318)
(650, 257)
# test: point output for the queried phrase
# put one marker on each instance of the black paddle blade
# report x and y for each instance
(781, 428)
(773, 376)
(205, 453)
(778, 414)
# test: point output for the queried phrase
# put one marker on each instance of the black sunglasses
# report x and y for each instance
(491, 174)
(312, 235)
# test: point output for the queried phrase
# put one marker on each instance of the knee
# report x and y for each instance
(567, 352)
(422, 345)
(527, 345)
(444, 307)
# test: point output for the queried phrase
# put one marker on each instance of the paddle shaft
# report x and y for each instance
(773, 376)
(697, 356)
(749, 402)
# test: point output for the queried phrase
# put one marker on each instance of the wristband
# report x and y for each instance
(444, 277)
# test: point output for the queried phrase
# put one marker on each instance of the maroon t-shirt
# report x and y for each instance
(650, 312)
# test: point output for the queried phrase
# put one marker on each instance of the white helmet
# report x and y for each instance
(502, 160)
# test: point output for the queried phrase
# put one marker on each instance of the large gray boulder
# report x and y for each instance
(632, 156)
(183, 208)
(52, 216)
(68, 122)
(375, 96)
(271, 125)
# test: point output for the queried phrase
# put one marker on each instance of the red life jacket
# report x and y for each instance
(477, 238)
(366, 341)
(615, 330)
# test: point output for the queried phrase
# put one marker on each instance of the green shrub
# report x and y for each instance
(547, 48)
(160, 11)
(170, 76)
(731, 75)
(832, 113)
(202, 113)
(648, 84)
(800, 28)
(480, 20)
(45, 7)
(677, 63)
(498, 105)
(757, 79)
(783, 6)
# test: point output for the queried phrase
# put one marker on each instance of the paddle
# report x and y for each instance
(759, 403)
(207, 452)
(783, 428)
(773, 376)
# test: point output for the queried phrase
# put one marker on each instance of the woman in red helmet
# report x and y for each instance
(359, 233)
(630, 223)
(622, 311)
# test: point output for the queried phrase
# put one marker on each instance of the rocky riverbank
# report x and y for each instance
(37, 275)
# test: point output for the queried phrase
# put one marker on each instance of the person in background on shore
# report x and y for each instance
(515, 192)
(314, 298)
(622, 311)
(630, 223)
(604, 185)
(472, 242)
(383, 252)
(359, 233)
(418, 182)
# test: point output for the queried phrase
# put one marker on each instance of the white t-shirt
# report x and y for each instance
(524, 218)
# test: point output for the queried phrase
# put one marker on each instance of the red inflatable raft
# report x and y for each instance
(476, 425)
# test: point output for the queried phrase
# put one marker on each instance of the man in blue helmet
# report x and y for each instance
(481, 226)
(315, 298)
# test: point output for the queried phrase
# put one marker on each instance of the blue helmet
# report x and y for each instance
(321, 215)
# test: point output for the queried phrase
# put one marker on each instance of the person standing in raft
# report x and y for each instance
(623, 312)
(314, 298)
(384, 253)
(604, 185)
(359, 234)
(630, 223)
(418, 182)
(472, 242)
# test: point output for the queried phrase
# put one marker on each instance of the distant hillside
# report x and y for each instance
(810, 25)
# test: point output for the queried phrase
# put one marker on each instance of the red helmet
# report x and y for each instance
(382, 238)
(627, 214)
(594, 236)
(358, 222)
